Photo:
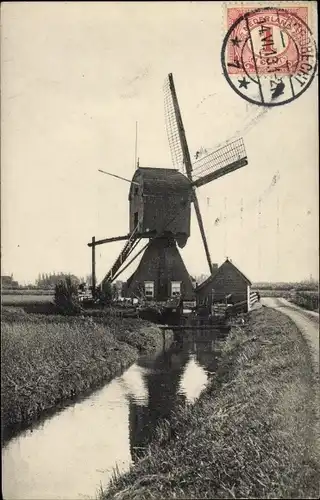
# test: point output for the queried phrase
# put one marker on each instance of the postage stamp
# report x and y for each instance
(269, 54)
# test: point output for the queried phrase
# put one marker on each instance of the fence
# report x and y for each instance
(238, 308)
(254, 297)
(242, 307)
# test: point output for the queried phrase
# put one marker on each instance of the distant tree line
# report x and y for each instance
(9, 282)
(300, 285)
(50, 280)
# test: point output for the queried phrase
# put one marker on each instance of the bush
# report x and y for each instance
(66, 297)
(307, 299)
(107, 292)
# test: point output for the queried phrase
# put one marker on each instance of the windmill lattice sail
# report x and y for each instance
(175, 128)
(172, 128)
(228, 154)
(222, 161)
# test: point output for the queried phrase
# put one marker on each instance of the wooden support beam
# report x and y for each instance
(109, 240)
(212, 328)
(93, 264)
(149, 234)
(130, 262)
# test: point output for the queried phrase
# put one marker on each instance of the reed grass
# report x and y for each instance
(251, 434)
(47, 360)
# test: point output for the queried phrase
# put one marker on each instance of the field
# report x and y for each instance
(48, 359)
(26, 297)
(20, 299)
(303, 294)
(252, 433)
(26, 291)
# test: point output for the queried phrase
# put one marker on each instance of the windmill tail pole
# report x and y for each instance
(109, 240)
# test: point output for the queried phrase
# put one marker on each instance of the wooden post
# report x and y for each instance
(248, 299)
(93, 266)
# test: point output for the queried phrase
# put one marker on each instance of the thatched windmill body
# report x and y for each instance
(160, 209)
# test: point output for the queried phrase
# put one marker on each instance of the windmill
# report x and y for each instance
(160, 210)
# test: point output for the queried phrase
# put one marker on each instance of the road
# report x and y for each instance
(306, 321)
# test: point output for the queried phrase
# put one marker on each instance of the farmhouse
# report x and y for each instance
(227, 279)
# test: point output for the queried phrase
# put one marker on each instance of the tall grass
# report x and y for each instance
(252, 434)
(49, 359)
(307, 299)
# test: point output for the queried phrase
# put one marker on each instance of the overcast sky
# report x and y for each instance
(77, 76)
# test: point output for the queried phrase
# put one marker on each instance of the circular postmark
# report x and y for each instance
(269, 55)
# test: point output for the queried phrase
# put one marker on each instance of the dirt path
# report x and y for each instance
(306, 321)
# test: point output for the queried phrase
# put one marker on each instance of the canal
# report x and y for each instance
(73, 453)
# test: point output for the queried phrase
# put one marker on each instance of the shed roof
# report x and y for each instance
(226, 262)
(160, 179)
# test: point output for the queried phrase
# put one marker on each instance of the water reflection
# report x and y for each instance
(194, 379)
(162, 378)
(71, 453)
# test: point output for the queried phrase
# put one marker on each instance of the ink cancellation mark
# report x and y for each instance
(269, 55)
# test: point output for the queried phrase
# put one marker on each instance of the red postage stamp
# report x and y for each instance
(272, 49)
(273, 46)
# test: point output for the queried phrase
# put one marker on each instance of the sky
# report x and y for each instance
(75, 79)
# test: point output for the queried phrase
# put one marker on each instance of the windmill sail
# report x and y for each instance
(172, 126)
(208, 168)
(179, 146)
(224, 160)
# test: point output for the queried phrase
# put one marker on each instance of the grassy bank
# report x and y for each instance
(307, 299)
(47, 360)
(252, 432)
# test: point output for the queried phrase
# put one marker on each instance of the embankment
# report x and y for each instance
(252, 433)
(48, 360)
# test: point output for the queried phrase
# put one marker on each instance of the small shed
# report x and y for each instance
(160, 199)
(226, 280)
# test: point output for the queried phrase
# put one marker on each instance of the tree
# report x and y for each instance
(88, 279)
(66, 297)
(51, 279)
(107, 292)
